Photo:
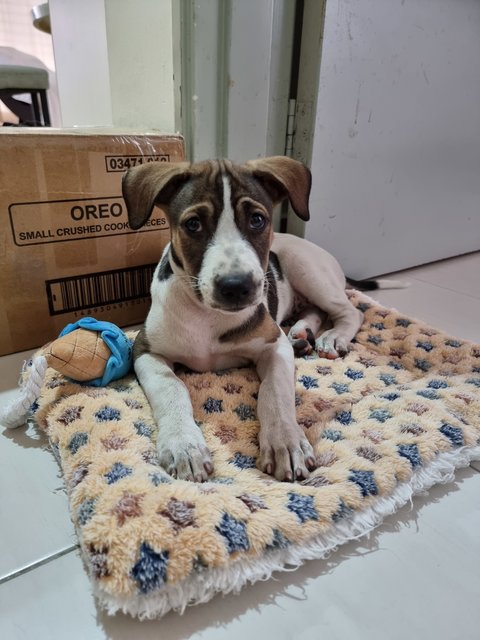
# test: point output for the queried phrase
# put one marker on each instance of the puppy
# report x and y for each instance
(222, 287)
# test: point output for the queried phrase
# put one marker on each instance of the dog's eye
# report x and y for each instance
(193, 224)
(257, 221)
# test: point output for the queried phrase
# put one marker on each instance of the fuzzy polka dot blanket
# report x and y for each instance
(392, 418)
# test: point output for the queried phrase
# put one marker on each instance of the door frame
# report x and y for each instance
(234, 64)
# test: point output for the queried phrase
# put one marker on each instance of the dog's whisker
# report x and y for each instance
(193, 280)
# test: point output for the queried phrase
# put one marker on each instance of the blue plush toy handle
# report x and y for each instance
(120, 361)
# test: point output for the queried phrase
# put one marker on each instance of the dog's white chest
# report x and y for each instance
(179, 332)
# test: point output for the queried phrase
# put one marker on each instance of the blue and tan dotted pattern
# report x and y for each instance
(404, 393)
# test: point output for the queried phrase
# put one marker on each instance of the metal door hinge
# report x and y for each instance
(291, 117)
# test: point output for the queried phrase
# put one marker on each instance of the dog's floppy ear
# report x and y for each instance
(150, 184)
(283, 178)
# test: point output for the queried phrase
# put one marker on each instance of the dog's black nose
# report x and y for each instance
(236, 289)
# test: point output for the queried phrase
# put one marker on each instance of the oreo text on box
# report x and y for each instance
(78, 219)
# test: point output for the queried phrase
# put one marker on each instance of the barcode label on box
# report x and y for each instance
(99, 289)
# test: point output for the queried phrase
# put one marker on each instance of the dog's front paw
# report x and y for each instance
(287, 456)
(185, 455)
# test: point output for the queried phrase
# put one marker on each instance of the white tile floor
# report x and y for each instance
(417, 576)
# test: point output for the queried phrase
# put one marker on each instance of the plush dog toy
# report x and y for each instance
(89, 351)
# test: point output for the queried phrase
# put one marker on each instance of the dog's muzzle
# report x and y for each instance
(235, 291)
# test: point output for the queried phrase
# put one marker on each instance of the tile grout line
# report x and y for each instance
(440, 286)
(38, 563)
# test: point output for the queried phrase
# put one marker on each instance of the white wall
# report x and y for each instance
(114, 62)
(140, 55)
(81, 60)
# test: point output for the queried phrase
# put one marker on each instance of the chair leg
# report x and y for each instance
(45, 111)
(36, 109)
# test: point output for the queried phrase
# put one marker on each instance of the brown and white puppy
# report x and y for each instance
(223, 285)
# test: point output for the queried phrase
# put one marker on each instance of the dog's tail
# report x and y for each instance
(376, 283)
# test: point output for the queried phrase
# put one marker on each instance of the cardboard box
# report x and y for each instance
(66, 250)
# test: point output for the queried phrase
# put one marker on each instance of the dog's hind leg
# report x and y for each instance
(316, 275)
(335, 342)
(344, 317)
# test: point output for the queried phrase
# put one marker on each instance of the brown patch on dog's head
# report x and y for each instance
(197, 201)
